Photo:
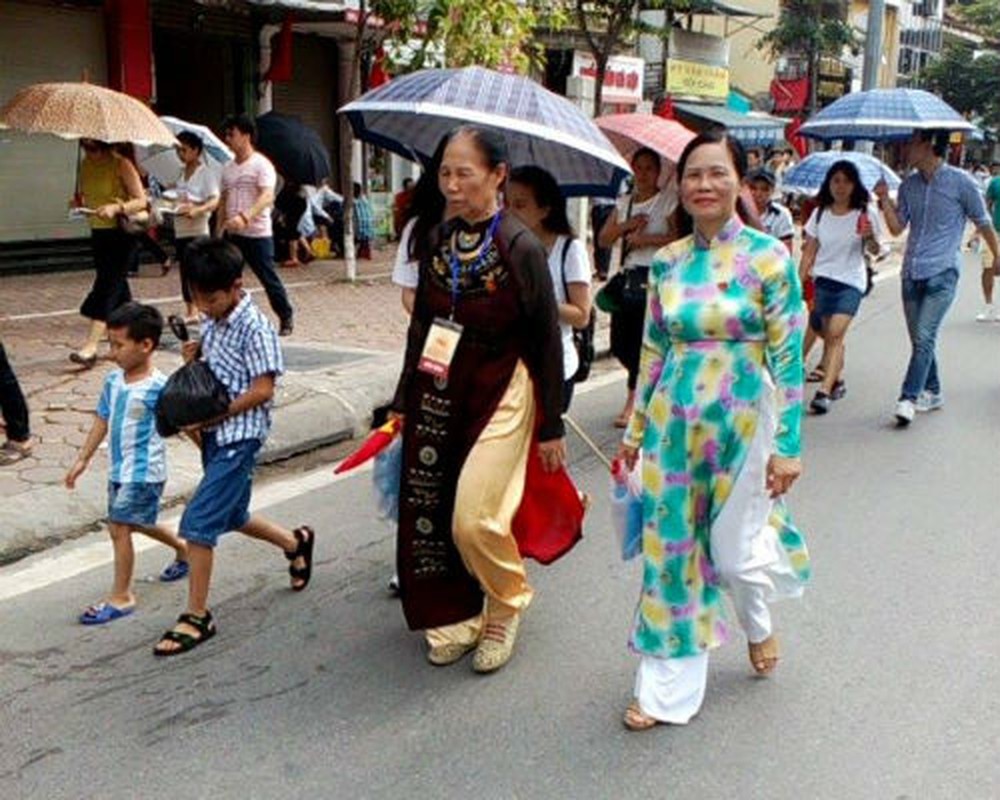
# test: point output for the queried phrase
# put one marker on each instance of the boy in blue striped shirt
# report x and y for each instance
(138, 466)
(241, 348)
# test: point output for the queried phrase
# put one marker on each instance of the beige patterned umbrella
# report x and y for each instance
(84, 111)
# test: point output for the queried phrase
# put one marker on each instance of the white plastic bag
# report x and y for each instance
(626, 507)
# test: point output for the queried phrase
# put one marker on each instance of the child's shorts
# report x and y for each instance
(221, 503)
(134, 503)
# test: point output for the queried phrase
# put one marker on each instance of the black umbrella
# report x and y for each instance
(296, 149)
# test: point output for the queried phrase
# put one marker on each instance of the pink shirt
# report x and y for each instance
(242, 185)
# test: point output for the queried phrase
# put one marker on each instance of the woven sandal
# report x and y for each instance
(445, 654)
(496, 646)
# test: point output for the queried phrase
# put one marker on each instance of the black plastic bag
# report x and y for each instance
(191, 395)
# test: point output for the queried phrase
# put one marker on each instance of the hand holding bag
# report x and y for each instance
(626, 507)
(191, 395)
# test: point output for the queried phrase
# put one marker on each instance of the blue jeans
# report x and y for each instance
(259, 254)
(925, 303)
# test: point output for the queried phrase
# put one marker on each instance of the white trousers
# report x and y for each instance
(752, 566)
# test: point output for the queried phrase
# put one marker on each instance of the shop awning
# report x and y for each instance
(750, 130)
(710, 8)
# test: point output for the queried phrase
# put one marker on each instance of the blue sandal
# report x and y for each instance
(174, 571)
(101, 613)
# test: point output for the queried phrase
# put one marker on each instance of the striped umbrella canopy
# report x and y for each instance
(808, 175)
(84, 111)
(410, 115)
(629, 132)
(883, 115)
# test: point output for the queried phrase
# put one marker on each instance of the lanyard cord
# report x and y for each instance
(456, 265)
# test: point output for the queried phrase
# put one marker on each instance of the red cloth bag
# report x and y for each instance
(549, 521)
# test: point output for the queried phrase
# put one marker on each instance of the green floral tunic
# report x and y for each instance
(717, 313)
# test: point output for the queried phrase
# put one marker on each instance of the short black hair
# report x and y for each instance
(242, 123)
(140, 322)
(192, 140)
(212, 265)
(939, 139)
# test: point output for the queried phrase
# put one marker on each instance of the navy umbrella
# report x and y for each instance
(409, 116)
(296, 149)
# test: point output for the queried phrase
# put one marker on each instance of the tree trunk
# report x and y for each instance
(601, 61)
(813, 82)
(347, 170)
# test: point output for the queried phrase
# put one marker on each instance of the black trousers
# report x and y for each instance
(180, 245)
(12, 404)
(626, 340)
(112, 254)
(259, 254)
(602, 255)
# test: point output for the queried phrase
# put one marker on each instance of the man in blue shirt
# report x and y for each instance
(934, 202)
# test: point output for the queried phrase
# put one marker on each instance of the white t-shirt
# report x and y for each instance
(777, 221)
(576, 270)
(658, 208)
(405, 273)
(841, 251)
(243, 184)
(202, 186)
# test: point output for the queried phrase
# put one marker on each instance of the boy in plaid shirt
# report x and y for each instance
(241, 348)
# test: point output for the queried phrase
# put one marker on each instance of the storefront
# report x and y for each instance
(37, 173)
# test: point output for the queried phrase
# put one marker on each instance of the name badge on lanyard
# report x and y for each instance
(445, 334)
(439, 347)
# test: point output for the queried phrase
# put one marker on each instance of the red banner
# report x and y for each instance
(280, 69)
(792, 95)
(130, 47)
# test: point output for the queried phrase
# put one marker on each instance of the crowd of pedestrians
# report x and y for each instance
(708, 317)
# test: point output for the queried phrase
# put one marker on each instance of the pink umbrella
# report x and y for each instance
(629, 132)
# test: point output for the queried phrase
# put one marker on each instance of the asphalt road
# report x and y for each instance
(889, 686)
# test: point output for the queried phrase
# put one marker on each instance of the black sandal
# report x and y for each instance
(305, 552)
(204, 625)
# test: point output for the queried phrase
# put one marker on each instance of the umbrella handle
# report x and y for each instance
(587, 441)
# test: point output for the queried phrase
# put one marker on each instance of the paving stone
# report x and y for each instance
(47, 474)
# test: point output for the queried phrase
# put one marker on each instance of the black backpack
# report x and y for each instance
(583, 338)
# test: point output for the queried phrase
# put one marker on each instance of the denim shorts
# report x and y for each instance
(134, 503)
(834, 297)
(221, 503)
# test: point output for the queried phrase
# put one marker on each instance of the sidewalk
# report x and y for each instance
(342, 361)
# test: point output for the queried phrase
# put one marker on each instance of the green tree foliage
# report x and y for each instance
(984, 14)
(809, 28)
(497, 34)
(606, 25)
(969, 83)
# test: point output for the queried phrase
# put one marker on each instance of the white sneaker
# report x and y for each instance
(929, 401)
(988, 314)
(905, 411)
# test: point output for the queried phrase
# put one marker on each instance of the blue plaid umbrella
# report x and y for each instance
(409, 116)
(808, 175)
(882, 115)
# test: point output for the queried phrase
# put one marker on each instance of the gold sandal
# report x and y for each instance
(764, 656)
(636, 720)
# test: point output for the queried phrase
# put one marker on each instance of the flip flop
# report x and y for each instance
(174, 571)
(102, 613)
